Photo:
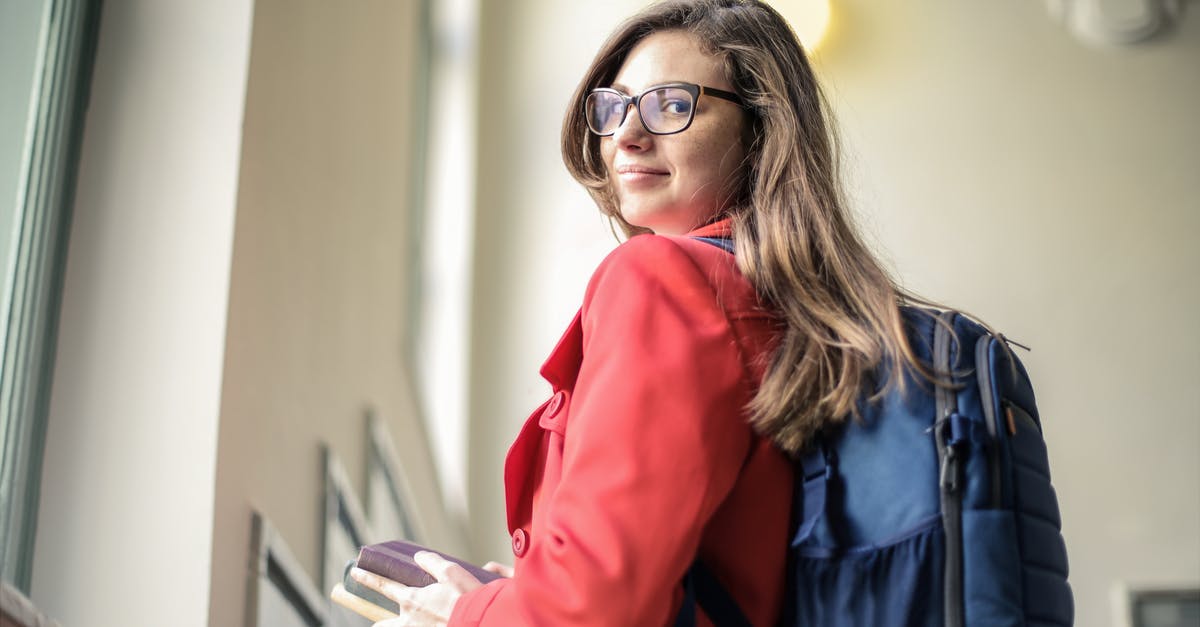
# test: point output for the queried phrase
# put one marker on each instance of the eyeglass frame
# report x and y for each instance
(691, 88)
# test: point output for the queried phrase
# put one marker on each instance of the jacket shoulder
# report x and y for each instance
(671, 263)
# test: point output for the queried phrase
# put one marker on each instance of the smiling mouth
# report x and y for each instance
(639, 175)
(639, 169)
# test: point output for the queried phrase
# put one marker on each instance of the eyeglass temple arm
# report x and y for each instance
(722, 94)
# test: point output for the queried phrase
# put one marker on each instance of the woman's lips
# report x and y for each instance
(640, 174)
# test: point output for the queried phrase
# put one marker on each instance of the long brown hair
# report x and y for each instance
(794, 238)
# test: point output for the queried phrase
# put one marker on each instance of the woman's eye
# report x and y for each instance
(677, 107)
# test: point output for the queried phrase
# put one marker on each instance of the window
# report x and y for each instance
(48, 47)
(443, 202)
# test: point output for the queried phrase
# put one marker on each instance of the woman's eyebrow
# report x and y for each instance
(619, 87)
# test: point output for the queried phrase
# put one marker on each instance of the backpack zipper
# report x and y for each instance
(949, 477)
(983, 369)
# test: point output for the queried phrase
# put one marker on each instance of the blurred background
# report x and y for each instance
(240, 232)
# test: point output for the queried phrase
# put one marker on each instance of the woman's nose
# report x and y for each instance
(632, 134)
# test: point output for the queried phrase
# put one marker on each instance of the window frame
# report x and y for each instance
(42, 217)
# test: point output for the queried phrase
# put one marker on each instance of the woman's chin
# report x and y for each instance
(666, 222)
(657, 221)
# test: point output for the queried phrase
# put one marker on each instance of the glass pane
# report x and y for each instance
(22, 43)
(1168, 608)
(22, 26)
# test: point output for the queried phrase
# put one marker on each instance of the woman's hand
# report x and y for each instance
(422, 607)
(503, 570)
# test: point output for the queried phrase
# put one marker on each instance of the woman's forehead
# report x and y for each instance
(670, 56)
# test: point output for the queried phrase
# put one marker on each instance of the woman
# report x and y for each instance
(689, 374)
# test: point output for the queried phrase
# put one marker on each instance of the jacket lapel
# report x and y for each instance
(562, 367)
(520, 467)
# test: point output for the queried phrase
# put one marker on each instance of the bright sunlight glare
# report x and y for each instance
(809, 18)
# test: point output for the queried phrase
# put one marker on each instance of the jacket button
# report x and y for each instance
(555, 404)
(520, 542)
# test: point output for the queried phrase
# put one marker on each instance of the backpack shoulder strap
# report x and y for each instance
(724, 243)
(702, 588)
(700, 585)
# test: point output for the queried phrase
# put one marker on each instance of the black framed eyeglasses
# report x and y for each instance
(664, 109)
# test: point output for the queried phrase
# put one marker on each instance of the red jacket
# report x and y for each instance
(643, 455)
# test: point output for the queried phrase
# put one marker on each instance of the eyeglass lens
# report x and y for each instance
(663, 110)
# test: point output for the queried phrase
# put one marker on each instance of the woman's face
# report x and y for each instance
(672, 184)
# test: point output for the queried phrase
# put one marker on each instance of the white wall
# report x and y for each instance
(538, 235)
(125, 524)
(441, 351)
(1000, 165)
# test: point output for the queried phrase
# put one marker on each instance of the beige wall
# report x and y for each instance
(1000, 165)
(316, 308)
(1051, 187)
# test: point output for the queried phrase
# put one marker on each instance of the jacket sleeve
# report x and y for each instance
(655, 439)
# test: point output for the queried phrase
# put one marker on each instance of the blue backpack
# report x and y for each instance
(935, 509)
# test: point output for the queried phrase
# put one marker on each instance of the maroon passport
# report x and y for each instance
(394, 559)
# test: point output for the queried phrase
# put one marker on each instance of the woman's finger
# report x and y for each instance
(445, 571)
(503, 570)
(393, 590)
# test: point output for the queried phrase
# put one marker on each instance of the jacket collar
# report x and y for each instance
(720, 228)
(562, 366)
